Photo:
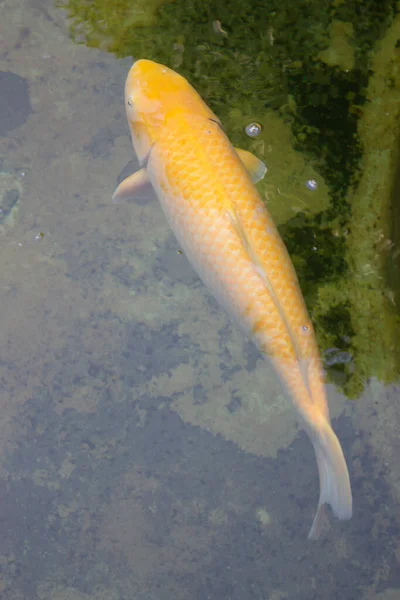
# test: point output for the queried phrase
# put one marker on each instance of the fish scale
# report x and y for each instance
(273, 258)
(206, 190)
(197, 215)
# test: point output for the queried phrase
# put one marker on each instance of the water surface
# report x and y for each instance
(147, 452)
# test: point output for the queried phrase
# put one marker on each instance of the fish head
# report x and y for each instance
(155, 97)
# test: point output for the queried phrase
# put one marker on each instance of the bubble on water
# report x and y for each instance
(253, 129)
(312, 185)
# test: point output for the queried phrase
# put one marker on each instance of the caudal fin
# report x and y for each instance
(334, 478)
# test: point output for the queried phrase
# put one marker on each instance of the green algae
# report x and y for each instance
(374, 313)
(306, 64)
(109, 24)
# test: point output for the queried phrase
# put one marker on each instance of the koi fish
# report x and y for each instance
(206, 189)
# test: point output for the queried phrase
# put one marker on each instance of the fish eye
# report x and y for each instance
(129, 102)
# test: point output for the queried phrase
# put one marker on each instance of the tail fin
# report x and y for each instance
(334, 478)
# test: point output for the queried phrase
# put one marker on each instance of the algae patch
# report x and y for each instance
(102, 24)
(374, 316)
(340, 52)
(284, 187)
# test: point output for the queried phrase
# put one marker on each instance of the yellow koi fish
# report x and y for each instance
(206, 189)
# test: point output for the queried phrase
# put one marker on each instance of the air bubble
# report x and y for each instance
(312, 185)
(253, 129)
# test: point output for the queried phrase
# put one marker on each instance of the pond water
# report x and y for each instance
(147, 450)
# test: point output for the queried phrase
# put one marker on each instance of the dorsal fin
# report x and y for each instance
(235, 221)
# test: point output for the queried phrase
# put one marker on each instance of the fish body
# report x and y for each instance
(206, 189)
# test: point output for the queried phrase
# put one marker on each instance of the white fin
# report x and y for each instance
(131, 186)
(254, 165)
(334, 478)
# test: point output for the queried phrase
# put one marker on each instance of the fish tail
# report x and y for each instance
(334, 478)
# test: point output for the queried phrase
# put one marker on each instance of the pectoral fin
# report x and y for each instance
(131, 186)
(254, 165)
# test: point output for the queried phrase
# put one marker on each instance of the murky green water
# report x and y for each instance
(147, 452)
